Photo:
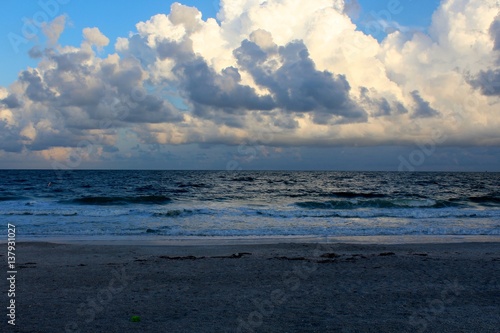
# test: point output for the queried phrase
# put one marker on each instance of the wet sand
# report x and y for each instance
(292, 287)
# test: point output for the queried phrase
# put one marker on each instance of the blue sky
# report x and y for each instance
(277, 84)
(413, 14)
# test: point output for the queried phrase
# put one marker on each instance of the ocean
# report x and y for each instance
(101, 204)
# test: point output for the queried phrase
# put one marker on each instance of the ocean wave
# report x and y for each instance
(144, 188)
(149, 199)
(304, 231)
(193, 185)
(486, 199)
(404, 213)
(376, 203)
(173, 213)
(177, 190)
(354, 195)
(294, 212)
(157, 230)
(25, 213)
(12, 198)
(186, 212)
(243, 179)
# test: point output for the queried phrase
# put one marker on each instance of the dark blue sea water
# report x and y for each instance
(261, 203)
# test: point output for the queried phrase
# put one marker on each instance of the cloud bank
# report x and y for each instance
(301, 73)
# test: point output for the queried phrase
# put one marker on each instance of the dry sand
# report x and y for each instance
(257, 288)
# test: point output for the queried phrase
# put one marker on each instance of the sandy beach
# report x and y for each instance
(294, 287)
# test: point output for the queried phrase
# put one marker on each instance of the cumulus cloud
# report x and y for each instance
(488, 82)
(11, 102)
(95, 37)
(189, 17)
(54, 29)
(352, 8)
(73, 96)
(295, 83)
(35, 52)
(9, 139)
(379, 106)
(495, 32)
(423, 108)
(301, 71)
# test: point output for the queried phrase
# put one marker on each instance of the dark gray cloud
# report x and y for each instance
(79, 93)
(181, 51)
(380, 106)
(35, 52)
(495, 32)
(110, 149)
(220, 97)
(11, 102)
(283, 120)
(224, 91)
(124, 76)
(36, 89)
(488, 82)
(423, 108)
(88, 95)
(10, 139)
(297, 86)
(148, 109)
(70, 62)
(65, 138)
(139, 49)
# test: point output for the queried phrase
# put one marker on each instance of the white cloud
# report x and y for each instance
(54, 29)
(95, 37)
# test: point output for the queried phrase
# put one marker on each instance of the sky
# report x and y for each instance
(394, 85)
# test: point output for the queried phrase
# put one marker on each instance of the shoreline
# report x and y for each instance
(262, 240)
